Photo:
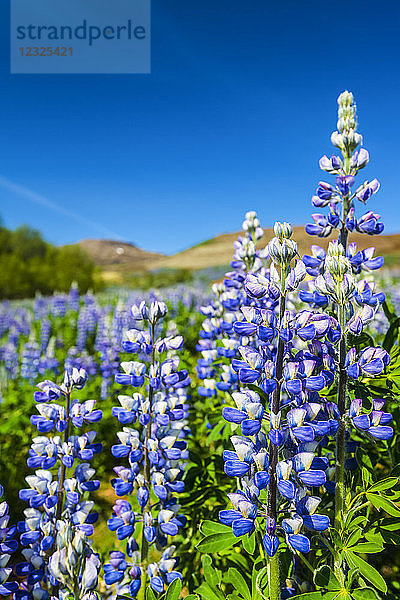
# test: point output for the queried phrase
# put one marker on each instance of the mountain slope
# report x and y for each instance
(117, 259)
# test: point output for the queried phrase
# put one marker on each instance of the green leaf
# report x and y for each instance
(210, 527)
(192, 597)
(384, 484)
(391, 334)
(367, 571)
(211, 575)
(388, 309)
(259, 391)
(237, 580)
(396, 471)
(324, 577)
(150, 595)
(217, 542)
(389, 524)
(207, 593)
(384, 503)
(365, 594)
(309, 596)
(216, 431)
(367, 548)
(174, 590)
(261, 584)
(249, 543)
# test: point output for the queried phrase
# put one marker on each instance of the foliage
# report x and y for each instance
(29, 265)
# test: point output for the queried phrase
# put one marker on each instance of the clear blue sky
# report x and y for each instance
(238, 109)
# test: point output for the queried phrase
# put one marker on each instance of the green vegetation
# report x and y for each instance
(28, 265)
(159, 279)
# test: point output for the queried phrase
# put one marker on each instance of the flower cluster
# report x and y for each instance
(289, 356)
(8, 545)
(155, 451)
(59, 521)
(220, 336)
(345, 169)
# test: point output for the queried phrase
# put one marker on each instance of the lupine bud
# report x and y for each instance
(283, 230)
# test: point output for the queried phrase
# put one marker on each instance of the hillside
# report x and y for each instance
(218, 251)
(117, 259)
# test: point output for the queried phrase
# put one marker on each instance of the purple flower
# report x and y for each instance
(368, 223)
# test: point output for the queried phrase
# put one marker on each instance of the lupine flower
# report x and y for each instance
(155, 452)
(375, 423)
(8, 545)
(58, 523)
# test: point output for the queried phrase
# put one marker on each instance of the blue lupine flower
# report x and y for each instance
(375, 423)
(155, 450)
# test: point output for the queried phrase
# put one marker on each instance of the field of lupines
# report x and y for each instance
(239, 442)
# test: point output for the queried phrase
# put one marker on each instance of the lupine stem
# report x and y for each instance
(60, 489)
(273, 565)
(144, 551)
(340, 490)
(274, 578)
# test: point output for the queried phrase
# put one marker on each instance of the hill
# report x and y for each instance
(118, 259)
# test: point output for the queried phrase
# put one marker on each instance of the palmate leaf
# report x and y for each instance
(217, 542)
(366, 570)
(367, 547)
(311, 596)
(211, 575)
(174, 590)
(211, 527)
(261, 587)
(384, 484)
(387, 505)
(391, 334)
(208, 593)
(324, 577)
(237, 580)
(249, 543)
(365, 594)
(150, 595)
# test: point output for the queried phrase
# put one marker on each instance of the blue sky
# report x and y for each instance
(234, 116)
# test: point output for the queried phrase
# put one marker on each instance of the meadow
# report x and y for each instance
(234, 441)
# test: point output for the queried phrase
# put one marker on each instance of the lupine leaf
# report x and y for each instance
(259, 391)
(390, 537)
(388, 524)
(261, 584)
(310, 596)
(192, 597)
(324, 577)
(174, 590)
(237, 580)
(217, 542)
(367, 571)
(384, 503)
(249, 543)
(367, 548)
(258, 566)
(208, 593)
(384, 484)
(396, 471)
(354, 536)
(212, 576)
(391, 334)
(365, 594)
(150, 595)
(216, 431)
(211, 527)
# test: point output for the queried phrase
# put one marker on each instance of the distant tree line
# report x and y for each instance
(28, 264)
